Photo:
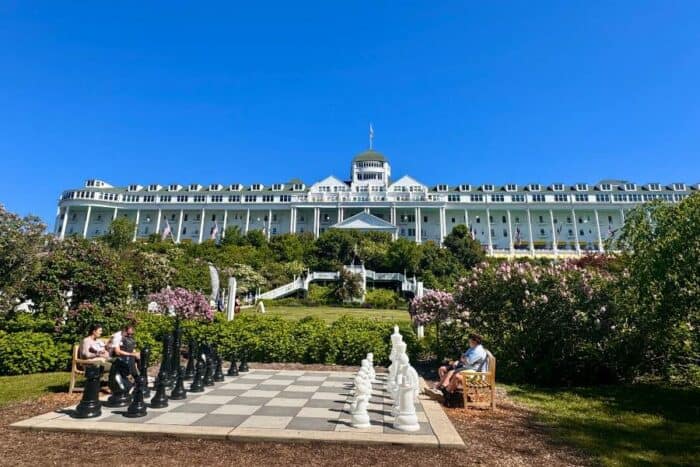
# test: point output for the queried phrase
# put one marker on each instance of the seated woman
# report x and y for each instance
(93, 349)
(474, 360)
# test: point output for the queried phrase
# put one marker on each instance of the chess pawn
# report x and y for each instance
(179, 391)
(191, 360)
(160, 399)
(243, 367)
(138, 406)
(359, 416)
(197, 384)
(218, 372)
(406, 419)
(90, 405)
(233, 369)
(209, 372)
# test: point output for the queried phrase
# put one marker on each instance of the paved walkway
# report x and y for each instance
(269, 405)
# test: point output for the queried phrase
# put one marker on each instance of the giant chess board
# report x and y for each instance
(270, 405)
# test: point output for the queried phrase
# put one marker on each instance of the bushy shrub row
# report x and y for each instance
(323, 295)
(30, 352)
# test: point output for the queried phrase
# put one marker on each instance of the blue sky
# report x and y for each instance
(459, 92)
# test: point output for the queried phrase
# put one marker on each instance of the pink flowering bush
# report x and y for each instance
(434, 305)
(185, 304)
(551, 324)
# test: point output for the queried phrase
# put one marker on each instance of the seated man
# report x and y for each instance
(471, 360)
(93, 349)
(122, 346)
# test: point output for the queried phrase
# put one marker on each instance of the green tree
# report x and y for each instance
(438, 268)
(404, 255)
(460, 243)
(348, 287)
(120, 233)
(232, 236)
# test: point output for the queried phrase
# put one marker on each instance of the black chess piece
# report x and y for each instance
(160, 399)
(219, 371)
(243, 367)
(209, 372)
(90, 405)
(166, 359)
(179, 391)
(175, 353)
(233, 369)
(138, 406)
(197, 384)
(119, 384)
(143, 371)
(191, 360)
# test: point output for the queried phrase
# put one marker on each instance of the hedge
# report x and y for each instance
(30, 352)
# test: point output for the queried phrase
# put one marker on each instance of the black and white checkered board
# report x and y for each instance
(276, 399)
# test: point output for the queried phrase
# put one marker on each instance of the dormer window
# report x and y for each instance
(654, 187)
(195, 187)
(235, 187)
(511, 187)
(535, 187)
(298, 187)
(465, 187)
(581, 186)
(134, 187)
(678, 186)
(277, 187)
(442, 188)
(487, 187)
(558, 187)
(630, 186)
(215, 187)
(256, 187)
(174, 187)
(605, 187)
(154, 187)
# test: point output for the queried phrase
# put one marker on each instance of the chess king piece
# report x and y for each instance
(160, 399)
(233, 369)
(175, 352)
(144, 361)
(406, 420)
(179, 392)
(363, 392)
(396, 381)
(197, 384)
(138, 407)
(191, 359)
(90, 405)
(219, 371)
(166, 360)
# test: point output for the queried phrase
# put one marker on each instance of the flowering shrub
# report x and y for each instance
(434, 305)
(185, 304)
(549, 324)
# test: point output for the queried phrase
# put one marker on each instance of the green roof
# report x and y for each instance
(370, 155)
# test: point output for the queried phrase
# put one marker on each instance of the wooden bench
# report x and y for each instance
(475, 386)
(78, 364)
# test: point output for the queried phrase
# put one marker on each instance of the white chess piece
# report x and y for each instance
(372, 373)
(406, 419)
(396, 382)
(363, 392)
(396, 340)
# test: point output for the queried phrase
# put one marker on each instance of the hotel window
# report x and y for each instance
(654, 187)
(505, 232)
(174, 187)
(541, 219)
(571, 233)
(453, 198)
(250, 198)
(518, 198)
(602, 198)
(274, 218)
(153, 187)
(285, 199)
(678, 186)
(184, 230)
(195, 187)
(215, 187)
(149, 199)
(256, 187)
(234, 198)
(679, 197)
(511, 187)
(442, 188)
(558, 187)
(199, 216)
(542, 234)
(185, 217)
(453, 220)
(477, 198)
(298, 186)
(635, 198)
(134, 188)
(235, 187)
(478, 220)
(487, 187)
(630, 186)
(411, 232)
(504, 219)
(605, 187)
(535, 187)
(620, 197)
(465, 187)
(491, 219)
(425, 218)
(581, 198)
(581, 187)
(561, 198)
(568, 219)
(538, 198)
(268, 199)
(172, 217)
(182, 198)
(649, 197)
(217, 199)
(200, 198)
(497, 198)
(277, 187)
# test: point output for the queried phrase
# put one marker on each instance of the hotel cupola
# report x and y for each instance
(370, 168)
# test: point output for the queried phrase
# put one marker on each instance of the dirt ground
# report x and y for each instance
(506, 436)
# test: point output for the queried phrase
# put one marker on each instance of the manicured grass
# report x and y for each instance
(26, 387)
(330, 314)
(622, 425)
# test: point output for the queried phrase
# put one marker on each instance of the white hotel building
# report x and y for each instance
(512, 219)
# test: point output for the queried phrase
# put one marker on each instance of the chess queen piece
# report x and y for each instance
(363, 392)
(197, 384)
(90, 405)
(137, 408)
(160, 399)
(179, 393)
(406, 419)
(144, 361)
(191, 359)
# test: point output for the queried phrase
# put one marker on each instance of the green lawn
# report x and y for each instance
(26, 387)
(622, 425)
(330, 314)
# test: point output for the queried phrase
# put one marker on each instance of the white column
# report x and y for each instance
(488, 230)
(574, 220)
(392, 215)
(269, 223)
(114, 216)
(293, 220)
(341, 212)
(201, 226)
(466, 221)
(136, 227)
(597, 229)
(529, 231)
(367, 210)
(64, 223)
(158, 222)
(317, 218)
(443, 227)
(622, 217)
(247, 221)
(418, 223)
(555, 248)
(87, 221)
(179, 227)
(223, 228)
(510, 233)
